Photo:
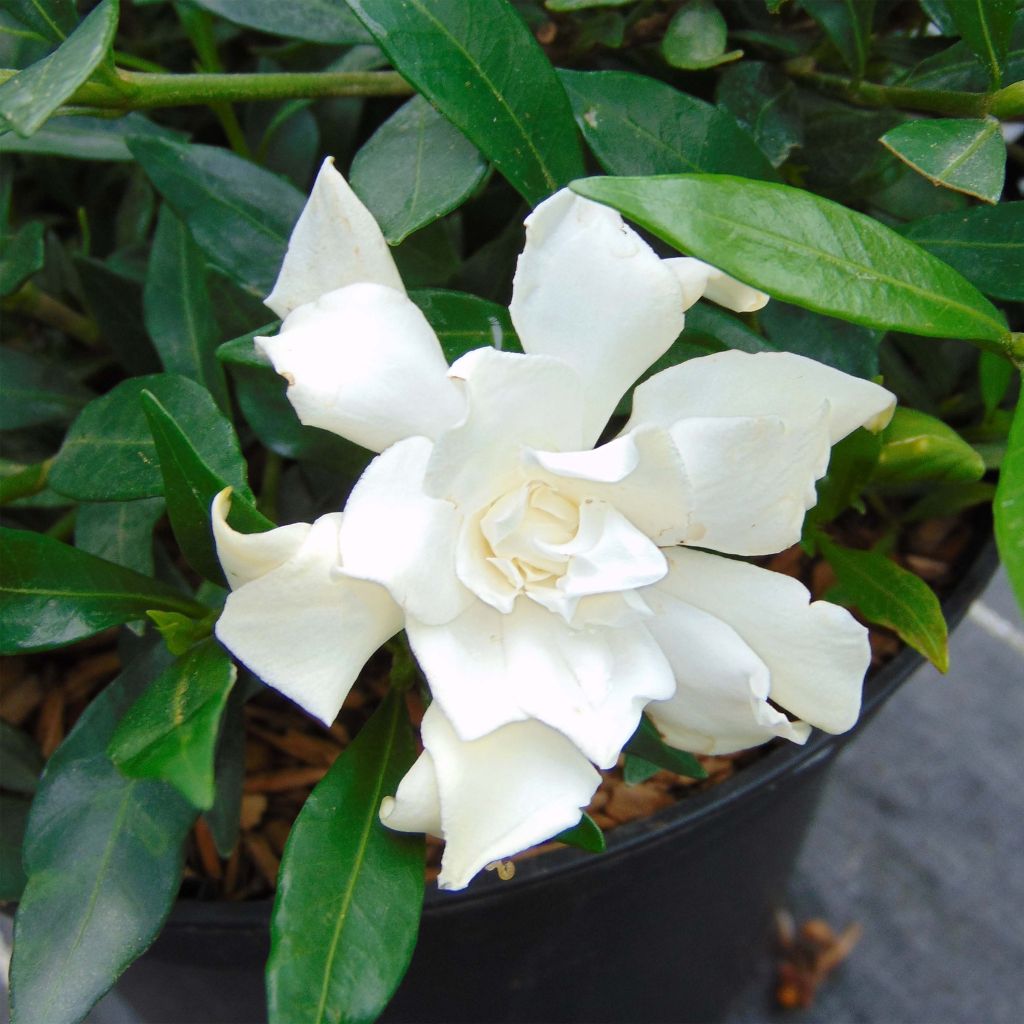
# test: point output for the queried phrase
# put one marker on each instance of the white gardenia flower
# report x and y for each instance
(551, 591)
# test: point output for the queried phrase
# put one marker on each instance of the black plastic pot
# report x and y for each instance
(666, 925)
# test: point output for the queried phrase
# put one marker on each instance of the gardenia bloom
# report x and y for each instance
(551, 591)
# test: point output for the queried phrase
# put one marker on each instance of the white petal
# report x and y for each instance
(247, 556)
(751, 479)
(720, 704)
(816, 652)
(589, 290)
(487, 669)
(305, 629)
(335, 242)
(640, 473)
(701, 279)
(761, 384)
(395, 535)
(502, 793)
(364, 363)
(513, 401)
(416, 805)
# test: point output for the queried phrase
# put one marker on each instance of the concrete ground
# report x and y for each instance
(920, 838)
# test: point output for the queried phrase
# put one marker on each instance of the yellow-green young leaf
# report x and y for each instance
(807, 250)
(350, 890)
(170, 732)
(1009, 506)
(647, 743)
(885, 593)
(32, 95)
(965, 155)
(478, 63)
(918, 447)
(586, 835)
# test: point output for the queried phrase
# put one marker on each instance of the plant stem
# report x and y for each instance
(142, 90)
(33, 302)
(1008, 102)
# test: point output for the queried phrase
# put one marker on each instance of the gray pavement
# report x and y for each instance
(920, 838)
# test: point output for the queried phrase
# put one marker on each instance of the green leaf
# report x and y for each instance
(29, 98)
(178, 311)
(21, 255)
(948, 500)
(764, 101)
(565, 6)
(190, 485)
(224, 817)
(848, 24)
(119, 531)
(637, 125)
(170, 732)
(647, 743)
(994, 376)
(586, 835)
(463, 322)
(350, 890)
(850, 466)
(985, 243)
(22, 762)
(103, 855)
(806, 250)
(708, 322)
(956, 67)
(965, 155)
(918, 447)
(14, 815)
(885, 593)
(35, 390)
(316, 21)
(239, 214)
(109, 453)
(53, 594)
(416, 167)
(53, 20)
(84, 138)
(695, 37)
(986, 26)
(848, 347)
(1008, 506)
(637, 769)
(481, 67)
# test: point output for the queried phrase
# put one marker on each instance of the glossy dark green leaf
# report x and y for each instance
(52, 20)
(430, 258)
(463, 322)
(848, 24)
(848, 347)
(170, 732)
(648, 744)
(995, 373)
(224, 817)
(115, 301)
(21, 255)
(850, 467)
(109, 453)
(637, 125)
(350, 890)
(956, 67)
(84, 138)
(13, 822)
(35, 390)
(239, 214)
(695, 37)
(316, 21)
(986, 26)
(1008, 506)
(764, 101)
(587, 835)
(190, 485)
(119, 531)
(29, 98)
(178, 310)
(53, 594)
(966, 155)
(416, 167)
(481, 67)
(807, 250)
(103, 855)
(707, 322)
(985, 243)
(20, 760)
(885, 593)
(918, 447)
